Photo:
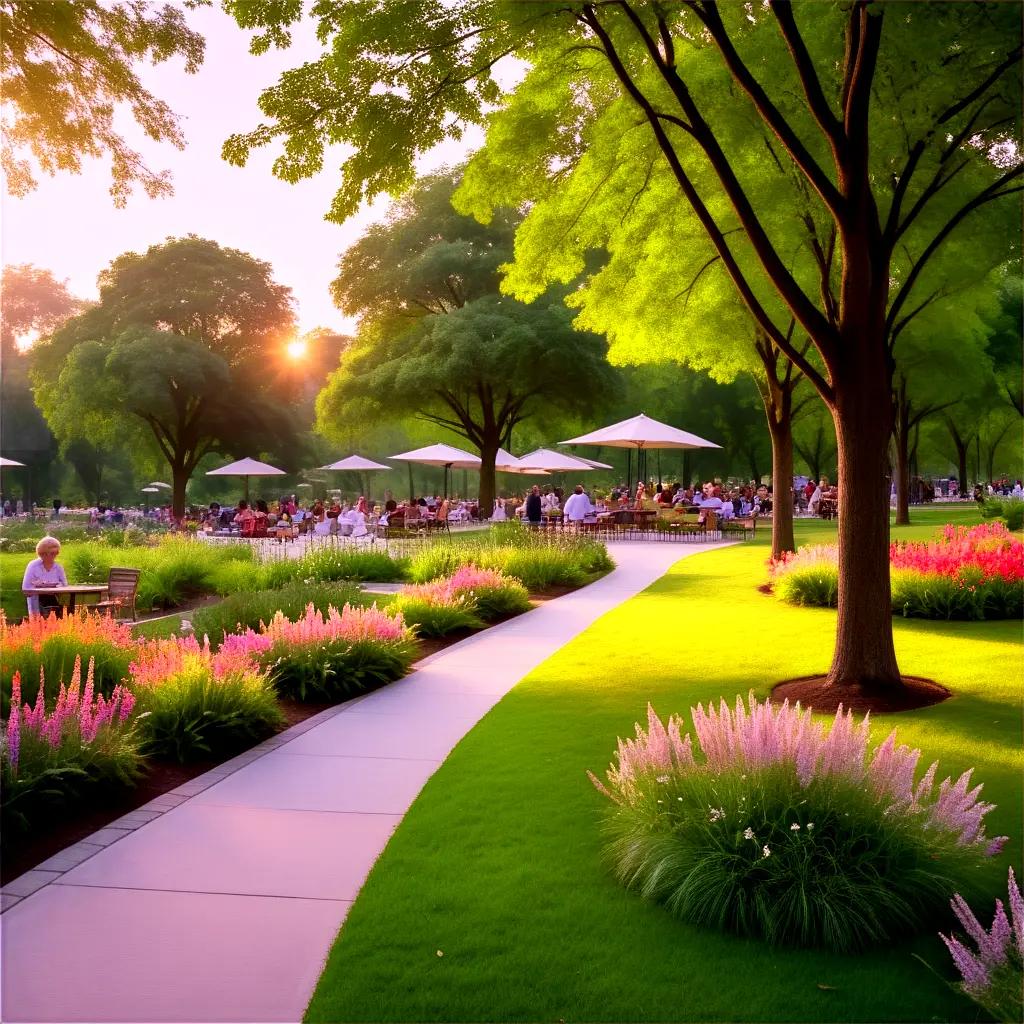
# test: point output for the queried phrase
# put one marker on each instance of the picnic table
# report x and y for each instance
(71, 591)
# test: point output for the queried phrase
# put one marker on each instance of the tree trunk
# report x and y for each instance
(961, 461)
(780, 426)
(179, 478)
(901, 440)
(488, 454)
(864, 654)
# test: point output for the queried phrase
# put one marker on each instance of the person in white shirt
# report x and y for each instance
(498, 513)
(577, 506)
(44, 572)
(549, 500)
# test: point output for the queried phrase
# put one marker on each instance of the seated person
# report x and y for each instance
(244, 514)
(763, 501)
(44, 571)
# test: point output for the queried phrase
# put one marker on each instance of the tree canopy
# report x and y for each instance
(67, 67)
(437, 339)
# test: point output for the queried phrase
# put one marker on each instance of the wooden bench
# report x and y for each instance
(744, 524)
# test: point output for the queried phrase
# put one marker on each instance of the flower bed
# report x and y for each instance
(786, 830)
(964, 573)
(48, 648)
(50, 758)
(329, 656)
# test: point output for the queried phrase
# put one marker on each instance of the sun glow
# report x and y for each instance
(297, 349)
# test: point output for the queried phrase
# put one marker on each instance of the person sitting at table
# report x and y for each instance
(44, 571)
(244, 514)
(498, 512)
(641, 493)
(763, 501)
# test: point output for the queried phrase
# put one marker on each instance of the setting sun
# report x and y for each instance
(297, 349)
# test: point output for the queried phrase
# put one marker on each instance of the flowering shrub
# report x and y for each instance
(198, 704)
(494, 593)
(49, 758)
(783, 828)
(964, 573)
(248, 609)
(993, 976)
(49, 647)
(435, 609)
(328, 657)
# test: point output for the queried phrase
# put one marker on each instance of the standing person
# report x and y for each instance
(577, 506)
(44, 571)
(498, 512)
(641, 493)
(56, 507)
(534, 509)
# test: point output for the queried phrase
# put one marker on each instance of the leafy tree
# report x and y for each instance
(893, 123)
(66, 67)
(437, 339)
(178, 354)
(814, 440)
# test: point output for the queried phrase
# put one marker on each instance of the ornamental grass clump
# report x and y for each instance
(196, 704)
(328, 657)
(494, 594)
(783, 828)
(48, 647)
(51, 758)
(993, 974)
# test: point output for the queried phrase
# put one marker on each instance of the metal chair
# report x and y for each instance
(122, 589)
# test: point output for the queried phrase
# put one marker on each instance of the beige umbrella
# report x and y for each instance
(247, 468)
(554, 462)
(357, 464)
(641, 433)
(9, 462)
(440, 455)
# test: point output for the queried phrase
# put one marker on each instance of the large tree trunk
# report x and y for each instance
(864, 654)
(488, 454)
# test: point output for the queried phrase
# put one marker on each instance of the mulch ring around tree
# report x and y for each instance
(815, 692)
(766, 588)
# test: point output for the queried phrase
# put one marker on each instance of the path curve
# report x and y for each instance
(223, 906)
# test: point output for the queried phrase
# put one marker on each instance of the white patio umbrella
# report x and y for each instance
(247, 468)
(440, 455)
(356, 463)
(553, 462)
(159, 484)
(150, 490)
(641, 433)
(506, 462)
(593, 463)
(9, 462)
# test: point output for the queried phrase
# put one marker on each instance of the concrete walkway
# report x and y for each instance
(223, 907)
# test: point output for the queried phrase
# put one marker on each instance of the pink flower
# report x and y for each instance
(755, 736)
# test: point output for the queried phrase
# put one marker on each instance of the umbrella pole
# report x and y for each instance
(629, 472)
(247, 490)
(412, 496)
(659, 467)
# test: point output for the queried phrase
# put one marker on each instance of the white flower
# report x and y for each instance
(717, 814)
(765, 852)
(662, 778)
(810, 826)
(748, 834)
(795, 827)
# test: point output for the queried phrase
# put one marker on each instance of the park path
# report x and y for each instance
(223, 907)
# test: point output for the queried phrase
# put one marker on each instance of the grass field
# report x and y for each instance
(498, 864)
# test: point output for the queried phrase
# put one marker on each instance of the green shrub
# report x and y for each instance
(247, 610)
(196, 712)
(511, 598)
(816, 585)
(434, 618)
(1010, 510)
(336, 670)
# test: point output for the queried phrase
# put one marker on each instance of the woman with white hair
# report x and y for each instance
(44, 571)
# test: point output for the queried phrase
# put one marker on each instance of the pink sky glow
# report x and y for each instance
(70, 226)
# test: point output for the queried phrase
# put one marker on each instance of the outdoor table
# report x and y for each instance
(72, 591)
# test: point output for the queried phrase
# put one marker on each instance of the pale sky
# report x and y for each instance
(70, 226)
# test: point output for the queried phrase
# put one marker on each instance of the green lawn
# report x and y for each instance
(498, 864)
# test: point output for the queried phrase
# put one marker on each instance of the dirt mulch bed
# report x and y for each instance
(815, 692)
(766, 588)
